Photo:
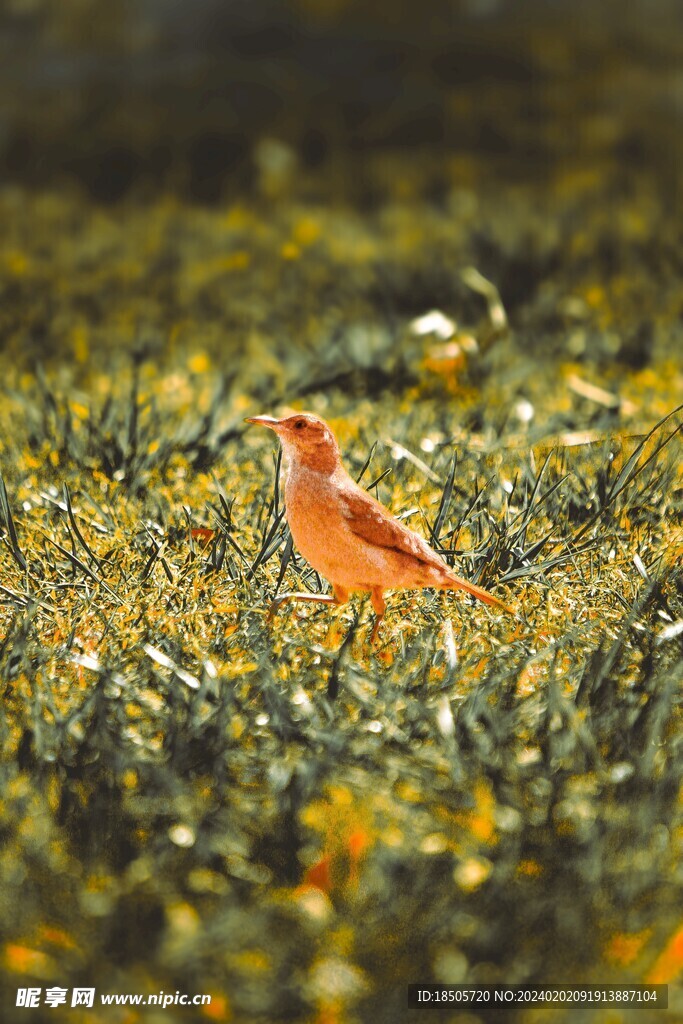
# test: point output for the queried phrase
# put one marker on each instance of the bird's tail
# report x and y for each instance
(453, 582)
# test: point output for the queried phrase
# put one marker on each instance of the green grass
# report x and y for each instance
(196, 796)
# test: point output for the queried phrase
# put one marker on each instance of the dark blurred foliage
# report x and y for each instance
(131, 96)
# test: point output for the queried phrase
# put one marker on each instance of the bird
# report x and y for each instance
(343, 532)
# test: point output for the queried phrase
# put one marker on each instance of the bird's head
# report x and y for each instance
(305, 438)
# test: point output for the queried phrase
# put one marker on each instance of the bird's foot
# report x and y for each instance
(379, 605)
(275, 606)
(375, 629)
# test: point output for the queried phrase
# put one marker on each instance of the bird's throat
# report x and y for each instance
(322, 458)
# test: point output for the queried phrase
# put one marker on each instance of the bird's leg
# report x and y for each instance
(380, 606)
(340, 596)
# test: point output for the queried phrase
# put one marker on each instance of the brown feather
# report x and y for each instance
(369, 520)
(458, 583)
(373, 523)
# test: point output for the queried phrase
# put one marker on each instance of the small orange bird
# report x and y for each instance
(345, 534)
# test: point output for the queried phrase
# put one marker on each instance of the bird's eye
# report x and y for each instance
(300, 424)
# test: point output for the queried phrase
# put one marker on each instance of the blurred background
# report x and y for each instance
(359, 157)
(203, 98)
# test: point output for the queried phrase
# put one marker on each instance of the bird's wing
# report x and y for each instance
(367, 519)
(373, 523)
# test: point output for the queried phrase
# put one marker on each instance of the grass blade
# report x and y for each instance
(9, 523)
(74, 526)
(445, 500)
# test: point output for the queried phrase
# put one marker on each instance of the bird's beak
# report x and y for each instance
(264, 421)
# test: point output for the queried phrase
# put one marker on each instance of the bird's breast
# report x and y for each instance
(315, 518)
(310, 503)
